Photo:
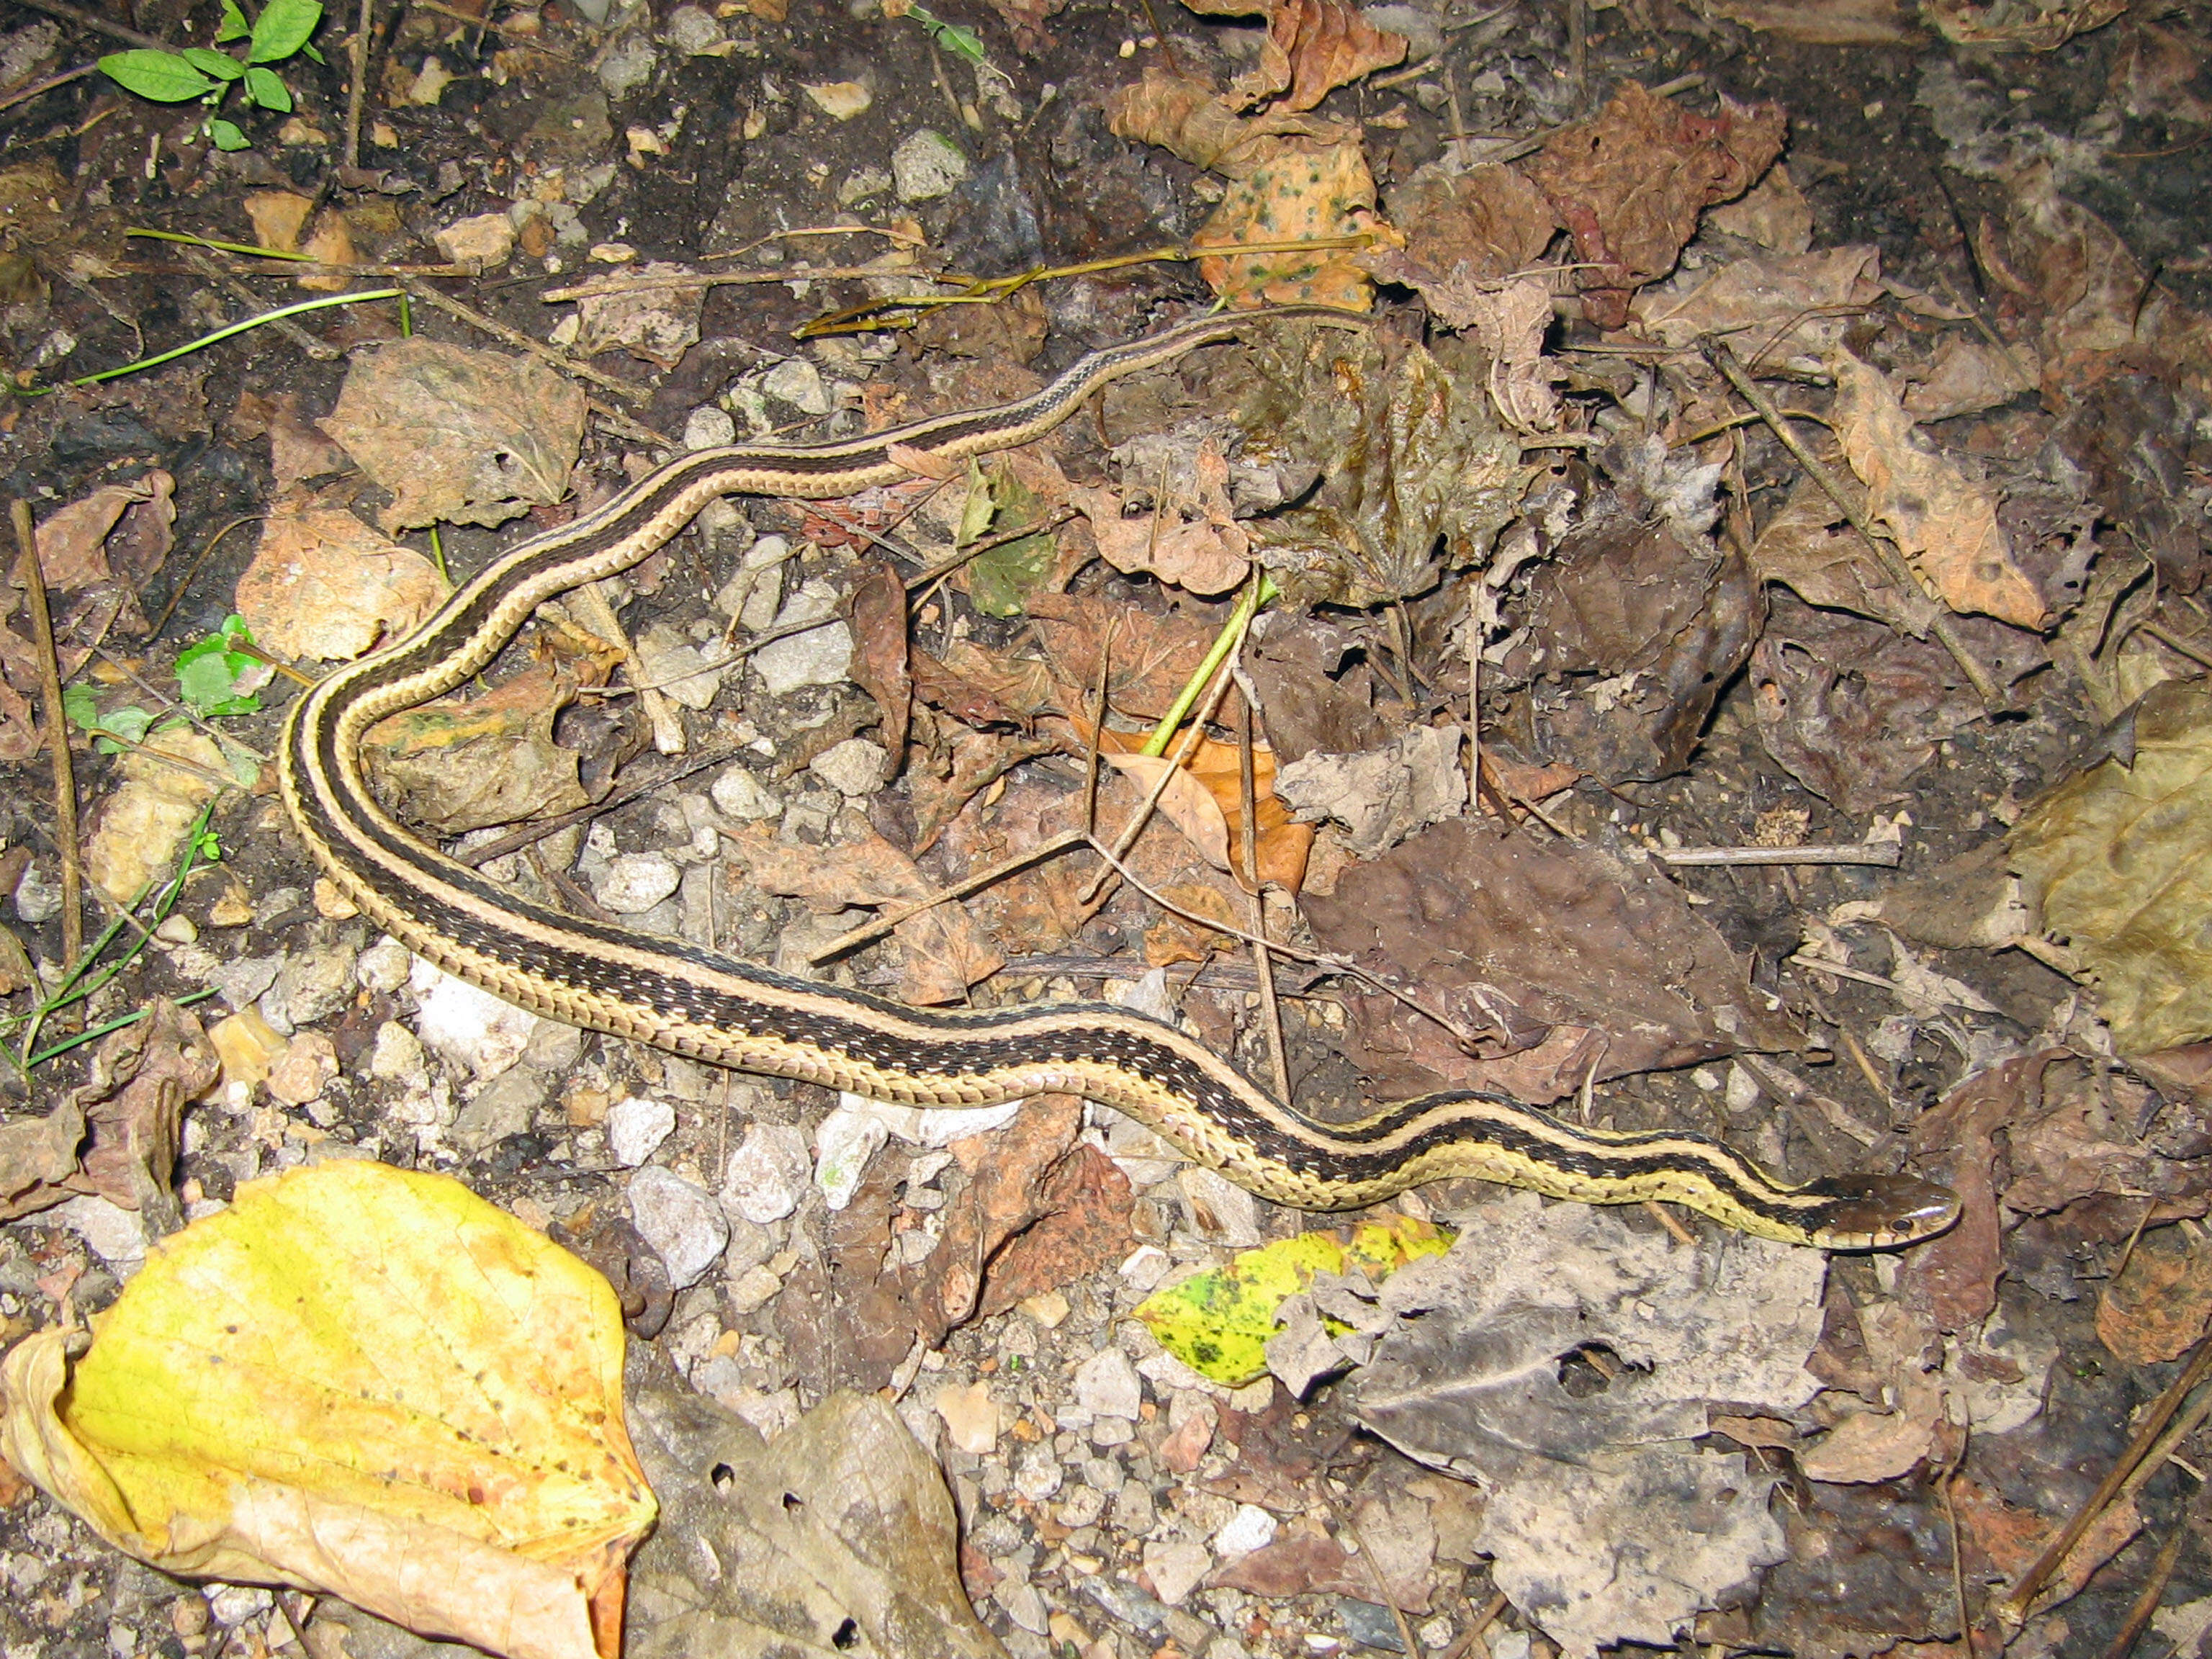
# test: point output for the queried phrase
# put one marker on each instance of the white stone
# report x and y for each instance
(627, 65)
(692, 31)
(636, 1127)
(1250, 1528)
(752, 1290)
(841, 101)
(471, 1028)
(709, 428)
(1106, 1385)
(738, 794)
(484, 240)
(768, 1174)
(1175, 1568)
(820, 656)
(926, 166)
(1037, 1473)
(681, 1221)
(971, 1418)
(1023, 1604)
(844, 1142)
(755, 589)
(853, 767)
(115, 1235)
(797, 382)
(634, 883)
(38, 893)
(384, 966)
(684, 673)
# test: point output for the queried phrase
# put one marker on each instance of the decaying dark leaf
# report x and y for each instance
(1562, 958)
(1312, 47)
(879, 651)
(492, 760)
(1629, 185)
(1419, 476)
(837, 1537)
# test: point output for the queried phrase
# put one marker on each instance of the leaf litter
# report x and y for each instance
(1651, 606)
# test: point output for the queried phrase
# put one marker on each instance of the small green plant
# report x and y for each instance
(280, 33)
(222, 675)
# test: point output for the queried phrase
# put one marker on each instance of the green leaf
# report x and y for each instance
(220, 65)
(227, 134)
(263, 87)
(81, 706)
(283, 29)
(215, 680)
(309, 51)
(163, 77)
(1001, 578)
(233, 25)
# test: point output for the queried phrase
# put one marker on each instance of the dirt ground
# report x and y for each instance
(1798, 415)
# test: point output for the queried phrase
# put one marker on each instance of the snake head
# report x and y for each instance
(1879, 1211)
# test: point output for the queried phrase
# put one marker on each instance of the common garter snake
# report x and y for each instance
(693, 1001)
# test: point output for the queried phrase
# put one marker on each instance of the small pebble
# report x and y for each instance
(1250, 1528)
(177, 928)
(38, 893)
(636, 1127)
(768, 1174)
(1106, 1385)
(709, 427)
(384, 966)
(679, 1219)
(853, 767)
(634, 883)
(798, 382)
(926, 166)
(971, 1418)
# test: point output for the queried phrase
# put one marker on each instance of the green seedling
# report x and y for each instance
(279, 33)
(223, 675)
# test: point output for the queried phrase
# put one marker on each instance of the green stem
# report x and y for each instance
(1257, 592)
(115, 1024)
(277, 315)
(247, 248)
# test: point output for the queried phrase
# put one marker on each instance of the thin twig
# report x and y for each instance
(24, 91)
(1892, 561)
(356, 82)
(1884, 854)
(50, 694)
(1383, 1585)
(1788, 1089)
(2013, 1608)
(193, 570)
(1263, 956)
(959, 889)
(521, 342)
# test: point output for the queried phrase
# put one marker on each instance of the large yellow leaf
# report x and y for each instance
(363, 1381)
(2118, 861)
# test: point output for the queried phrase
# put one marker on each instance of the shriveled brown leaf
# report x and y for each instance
(1150, 657)
(1773, 213)
(1085, 1227)
(1809, 547)
(1823, 22)
(72, 540)
(2161, 1301)
(879, 651)
(1953, 1279)
(2114, 859)
(461, 766)
(1190, 119)
(942, 950)
(324, 585)
(1945, 523)
(1796, 307)
(981, 687)
(472, 437)
(2008, 26)
(142, 1077)
(1852, 711)
(1206, 803)
(1629, 185)
(1313, 46)
(1193, 544)
(38, 1154)
(2080, 1139)
(298, 448)
(1465, 233)
(1519, 941)
(2005, 1539)
(1965, 376)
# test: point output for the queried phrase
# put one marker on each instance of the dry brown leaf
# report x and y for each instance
(1521, 942)
(73, 539)
(1822, 22)
(1465, 233)
(879, 651)
(1773, 213)
(1204, 553)
(1313, 46)
(298, 448)
(472, 437)
(2161, 1301)
(1212, 818)
(38, 1154)
(1790, 309)
(2006, 26)
(142, 1077)
(462, 766)
(1150, 657)
(1191, 119)
(943, 951)
(1947, 524)
(1629, 186)
(323, 584)
(1952, 1280)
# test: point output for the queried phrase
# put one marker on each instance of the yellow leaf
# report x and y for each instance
(363, 1381)
(1218, 1323)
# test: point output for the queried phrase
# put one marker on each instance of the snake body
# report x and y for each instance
(697, 1002)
